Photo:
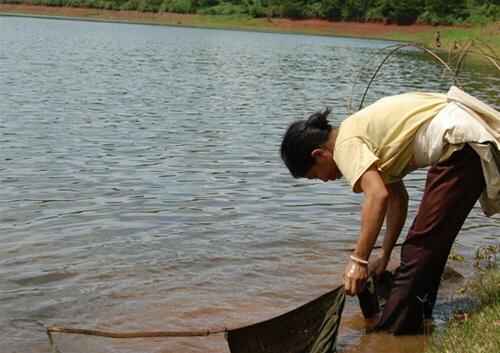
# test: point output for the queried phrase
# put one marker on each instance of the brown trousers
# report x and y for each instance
(451, 190)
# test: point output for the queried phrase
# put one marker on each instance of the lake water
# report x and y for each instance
(142, 187)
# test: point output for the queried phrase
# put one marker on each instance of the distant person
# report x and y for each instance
(454, 134)
(437, 39)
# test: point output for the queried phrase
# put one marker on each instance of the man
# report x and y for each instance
(455, 134)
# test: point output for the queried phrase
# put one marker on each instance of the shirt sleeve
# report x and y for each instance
(353, 157)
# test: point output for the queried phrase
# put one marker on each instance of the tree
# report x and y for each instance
(446, 9)
(331, 9)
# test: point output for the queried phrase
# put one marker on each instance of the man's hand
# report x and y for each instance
(377, 265)
(355, 277)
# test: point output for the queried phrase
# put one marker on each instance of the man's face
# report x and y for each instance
(324, 167)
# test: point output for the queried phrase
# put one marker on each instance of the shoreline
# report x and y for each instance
(275, 25)
(182, 25)
(475, 328)
(417, 33)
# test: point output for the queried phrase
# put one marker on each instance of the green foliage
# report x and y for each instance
(164, 6)
(293, 9)
(181, 6)
(445, 8)
(331, 9)
(313, 10)
(134, 5)
(207, 3)
(484, 14)
(407, 11)
(375, 14)
(353, 10)
(223, 8)
(150, 5)
(401, 12)
(255, 8)
(130, 5)
(54, 3)
(444, 12)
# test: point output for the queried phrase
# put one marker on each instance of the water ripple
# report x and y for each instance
(141, 177)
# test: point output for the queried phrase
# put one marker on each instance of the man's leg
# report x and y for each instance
(452, 188)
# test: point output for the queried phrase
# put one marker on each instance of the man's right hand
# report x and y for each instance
(377, 265)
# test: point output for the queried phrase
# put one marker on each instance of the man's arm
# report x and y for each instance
(376, 196)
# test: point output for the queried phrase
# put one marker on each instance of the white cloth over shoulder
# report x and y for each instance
(465, 119)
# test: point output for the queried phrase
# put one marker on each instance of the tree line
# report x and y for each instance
(387, 11)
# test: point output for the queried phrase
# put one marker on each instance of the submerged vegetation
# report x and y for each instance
(386, 11)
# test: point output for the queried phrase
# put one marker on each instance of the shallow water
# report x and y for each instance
(142, 187)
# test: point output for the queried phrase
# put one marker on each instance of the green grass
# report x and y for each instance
(489, 35)
(479, 332)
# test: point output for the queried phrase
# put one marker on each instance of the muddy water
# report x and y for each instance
(142, 187)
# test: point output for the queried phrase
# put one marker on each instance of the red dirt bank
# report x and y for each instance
(374, 30)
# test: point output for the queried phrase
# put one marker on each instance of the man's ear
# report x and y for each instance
(317, 153)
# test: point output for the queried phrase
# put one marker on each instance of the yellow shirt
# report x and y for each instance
(382, 134)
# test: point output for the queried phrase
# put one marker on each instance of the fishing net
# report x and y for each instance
(311, 328)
